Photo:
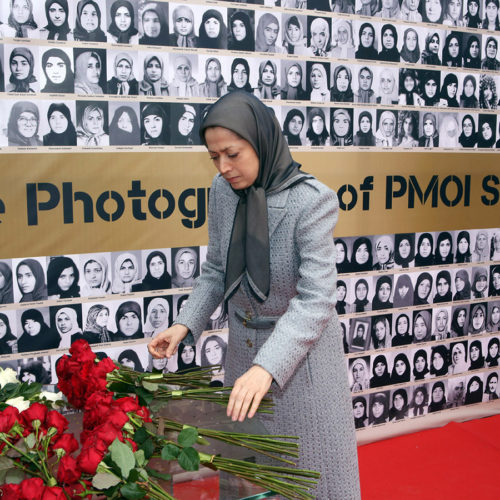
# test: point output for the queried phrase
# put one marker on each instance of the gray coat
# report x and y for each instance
(303, 351)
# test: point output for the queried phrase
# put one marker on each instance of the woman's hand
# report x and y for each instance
(248, 389)
(164, 345)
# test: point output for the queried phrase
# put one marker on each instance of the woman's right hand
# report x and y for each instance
(164, 345)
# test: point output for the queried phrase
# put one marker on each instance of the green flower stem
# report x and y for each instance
(156, 492)
(18, 450)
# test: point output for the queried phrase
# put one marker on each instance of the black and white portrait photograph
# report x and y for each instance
(409, 88)
(364, 131)
(403, 291)
(360, 411)
(178, 302)
(136, 357)
(341, 252)
(432, 11)
(422, 287)
(211, 350)
(124, 127)
(34, 331)
(57, 75)
(294, 130)
(98, 325)
(157, 314)
(472, 48)
(379, 408)
(456, 392)
(241, 30)
(240, 75)
(212, 28)
(362, 290)
(437, 400)
(359, 373)
(487, 129)
(182, 26)
(495, 246)
(491, 387)
(493, 324)
(90, 71)
(123, 22)
(462, 284)
(21, 68)
(152, 73)
(157, 270)
(30, 279)
(453, 50)
(318, 74)
(317, 127)
(488, 95)
(404, 250)
(442, 291)
(474, 390)
(63, 277)
(480, 276)
(490, 52)
(341, 127)
(399, 405)
(23, 124)
(127, 319)
(420, 363)
(364, 92)
(90, 20)
(182, 69)
(389, 42)
(444, 246)
(468, 135)
(440, 360)
(401, 329)
(469, 91)
(412, 39)
(8, 332)
(366, 40)
(66, 321)
(430, 89)
(185, 266)
(383, 257)
(480, 245)
(57, 126)
(344, 326)
(477, 350)
(381, 331)
(361, 253)
(268, 32)
(424, 255)
(294, 34)
(463, 249)
(184, 124)
(58, 23)
(95, 274)
(383, 295)
(428, 130)
(35, 370)
(343, 38)
(359, 334)
(458, 357)
(386, 85)
(448, 97)
(92, 123)
(126, 271)
(477, 318)
(419, 400)
(422, 326)
(459, 320)
(214, 75)
(387, 128)
(268, 83)
(401, 369)
(342, 305)
(319, 36)
(22, 18)
(122, 72)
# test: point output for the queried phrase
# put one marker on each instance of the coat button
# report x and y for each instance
(249, 343)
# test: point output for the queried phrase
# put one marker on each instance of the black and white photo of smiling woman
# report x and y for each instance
(24, 121)
(122, 18)
(94, 275)
(57, 76)
(21, 70)
(155, 130)
(62, 132)
(57, 27)
(89, 21)
(90, 71)
(92, 123)
(124, 128)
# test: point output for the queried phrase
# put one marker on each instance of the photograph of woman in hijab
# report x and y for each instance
(96, 329)
(486, 131)
(35, 370)
(185, 124)
(449, 92)
(23, 124)
(493, 324)
(182, 27)
(452, 50)
(342, 257)
(381, 331)
(420, 370)
(62, 131)
(57, 28)
(342, 6)
(367, 47)
(403, 291)
(130, 359)
(421, 326)
(157, 275)
(408, 129)
(341, 90)
(449, 131)
(431, 53)
(474, 393)
(459, 321)
(122, 26)
(6, 287)
(388, 9)
(153, 26)
(124, 129)
(428, 139)
(423, 287)
(401, 330)
(21, 70)
(487, 92)
(359, 338)
(463, 252)
(479, 282)
(293, 81)
(444, 249)
(341, 305)
(399, 408)
(364, 135)
(126, 272)
(429, 86)
(213, 354)
(495, 246)
(493, 351)
(441, 320)
(92, 123)
(408, 88)
(8, 339)
(468, 98)
(154, 81)
(214, 84)
(319, 37)
(477, 319)
(361, 255)
(385, 136)
(380, 372)
(481, 252)
(66, 321)
(128, 321)
(490, 60)
(36, 335)
(185, 267)
(404, 246)
(341, 127)
(267, 85)
(389, 44)
(317, 81)
(443, 291)
(456, 392)
(241, 29)
(183, 83)
(379, 408)
(123, 81)
(90, 71)
(293, 127)
(21, 19)
(491, 387)
(359, 374)
(388, 87)
(186, 358)
(419, 401)
(410, 51)
(317, 131)
(476, 357)
(294, 35)
(432, 11)
(383, 293)
(30, 279)
(95, 280)
(57, 73)
(212, 30)
(472, 51)
(490, 20)
(438, 397)
(472, 18)
(240, 75)
(157, 315)
(462, 285)
(494, 281)
(267, 33)
(359, 412)
(88, 22)
(62, 278)
(400, 369)
(425, 245)
(155, 129)
(365, 94)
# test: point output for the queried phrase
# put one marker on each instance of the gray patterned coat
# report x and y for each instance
(303, 351)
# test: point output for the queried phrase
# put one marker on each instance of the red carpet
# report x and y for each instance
(454, 462)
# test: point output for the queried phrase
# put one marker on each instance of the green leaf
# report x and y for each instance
(121, 387)
(133, 476)
(189, 459)
(149, 386)
(141, 434)
(140, 457)
(123, 457)
(145, 397)
(143, 475)
(132, 491)
(14, 476)
(30, 440)
(170, 452)
(148, 447)
(6, 463)
(103, 481)
(159, 475)
(188, 436)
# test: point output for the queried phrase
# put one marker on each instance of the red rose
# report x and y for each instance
(55, 419)
(105, 366)
(97, 407)
(127, 404)
(67, 442)
(8, 418)
(89, 459)
(10, 491)
(68, 471)
(76, 490)
(53, 493)
(82, 351)
(107, 433)
(36, 411)
(143, 412)
(31, 489)
(118, 418)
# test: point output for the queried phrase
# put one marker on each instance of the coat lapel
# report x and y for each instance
(276, 209)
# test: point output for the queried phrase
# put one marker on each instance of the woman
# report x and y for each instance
(341, 90)
(404, 250)
(341, 304)
(24, 121)
(359, 374)
(474, 392)
(317, 133)
(381, 332)
(365, 94)
(56, 12)
(342, 36)
(267, 85)
(318, 81)
(31, 281)
(462, 285)
(37, 335)
(126, 273)
(185, 125)
(124, 82)
(6, 288)
(7, 339)
(88, 69)
(212, 31)
(402, 334)
(292, 89)
(95, 274)
(292, 127)
(57, 69)
(124, 129)
(240, 75)
(423, 289)
(241, 35)
(468, 98)
(224, 275)
(62, 131)
(389, 51)
(448, 95)
(22, 20)
(418, 405)
(122, 27)
(128, 322)
(441, 319)
(463, 253)
(218, 319)
(154, 82)
(157, 276)
(491, 21)
(183, 23)
(22, 66)
(494, 319)
(380, 372)
(495, 247)
(476, 355)
(155, 127)
(439, 361)
(472, 53)
(490, 60)
(459, 322)
(452, 50)
(361, 256)
(66, 322)
(432, 11)
(421, 326)
(367, 43)
(493, 350)
(477, 319)
(430, 88)
(388, 9)
(472, 18)
(361, 302)
(410, 52)
(486, 131)
(214, 84)
(183, 84)
(495, 281)
(481, 251)
(480, 283)
(157, 317)
(403, 293)
(91, 129)
(186, 268)
(341, 127)
(453, 13)
(420, 369)
(267, 34)
(425, 244)
(155, 27)
(408, 88)
(213, 353)
(444, 249)
(490, 391)
(383, 292)
(408, 129)
(186, 358)
(401, 369)
(388, 87)
(96, 328)
(384, 249)
(487, 92)
(130, 359)
(429, 139)
(399, 409)
(438, 397)
(88, 22)
(458, 358)
(294, 40)
(430, 55)
(386, 133)
(359, 412)
(443, 287)
(364, 136)
(341, 258)
(320, 40)
(368, 8)
(62, 278)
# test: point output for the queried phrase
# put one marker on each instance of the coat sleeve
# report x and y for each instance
(208, 290)
(312, 310)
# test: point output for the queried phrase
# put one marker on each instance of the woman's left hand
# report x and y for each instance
(249, 389)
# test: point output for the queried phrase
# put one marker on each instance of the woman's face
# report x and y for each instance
(481, 241)
(461, 318)
(388, 39)
(212, 27)
(496, 281)
(367, 36)
(293, 32)
(468, 91)
(402, 325)
(186, 123)
(442, 287)
(183, 72)
(411, 41)
(239, 30)
(340, 253)
(56, 70)
(430, 91)
(486, 131)
(318, 125)
(32, 327)
(463, 246)
(420, 364)
(342, 80)
(488, 93)
(433, 10)
(153, 70)
(95, 122)
(358, 372)
(362, 254)
(213, 352)
(27, 124)
(380, 368)
(25, 279)
(388, 126)
(93, 274)
(474, 386)
(458, 355)
(361, 291)
(444, 248)
(384, 292)
(451, 90)
(240, 76)
(491, 49)
(123, 19)
(474, 49)
(383, 252)
(129, 363)
(268, 75)
(365, 125)
(419, 398)
(93, 71)
(492, 384)
(437, 361)
(409, 83)
(478, 319)
(380, 330)
(123, 70)
(213, 71)
(89, 18)
(434, 44)
(341, 125)
(400, 367)
(293, 77)
(360, 331)
(129, 323)
(481, 283)
(57, 15)
(271, 33)
(474, 353)
(185, 266)
(66, 279)
(20, 67)
(341, 292)
(377, 409)
(156, 267)
(473, 7)
(102, 318)
(491, 12)
(124, 122)
(437, 394)
(187, 355)
(153, 125)
(425, 247)
(343, 35)
(420, 328)
(319, 37)
(21, 11)
(459, 284)
(454, 47)
(183, 25)
(386, 82)
(365, 80)
(126, 271)
(64, 323)
(158, 315)
(160, 364)
(424, 288)
(398, 401)
(495, 315)
(152, 25)
(404, 248)
(294, 127)
(358, 409)
(316, 78)
(407, 126)
(3, 328)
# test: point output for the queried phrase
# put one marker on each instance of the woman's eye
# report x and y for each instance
(233, 155)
